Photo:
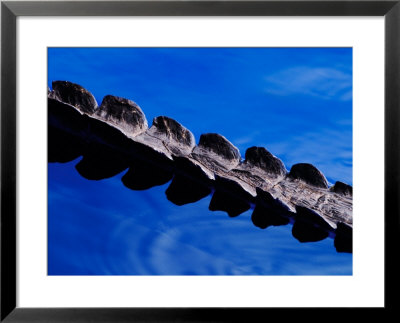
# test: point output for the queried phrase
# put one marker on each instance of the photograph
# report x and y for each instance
(204, 161)
(194, 161)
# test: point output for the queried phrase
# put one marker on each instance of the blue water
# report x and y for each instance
(296, 102)
(103, 228)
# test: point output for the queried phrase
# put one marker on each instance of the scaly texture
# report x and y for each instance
(115, 136)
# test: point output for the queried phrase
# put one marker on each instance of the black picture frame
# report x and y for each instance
(10, 10)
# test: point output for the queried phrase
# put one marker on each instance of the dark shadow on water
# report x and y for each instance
(106, 152)
(101, 162)
(184, 190)
(142, 176)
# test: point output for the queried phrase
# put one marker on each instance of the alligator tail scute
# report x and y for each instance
(115, 136)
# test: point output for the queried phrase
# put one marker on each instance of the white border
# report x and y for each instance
(364, 288)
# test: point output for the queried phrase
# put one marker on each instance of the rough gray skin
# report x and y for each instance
(309, 174)
(75, 95)
(168, 137)
(342, 189)
(124, 114)
(214, 164)
(261, 158)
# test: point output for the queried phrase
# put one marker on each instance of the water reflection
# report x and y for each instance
(104, 228)
(147, 168)
(135, 218)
